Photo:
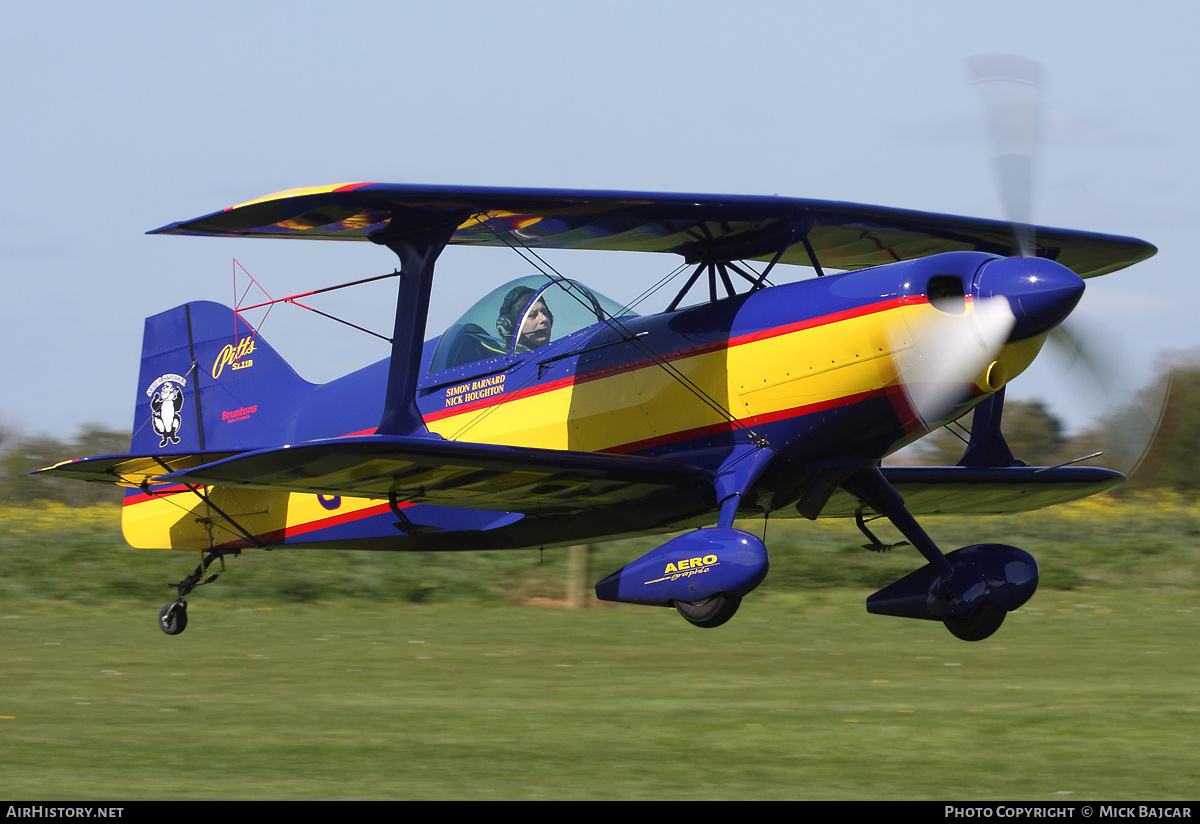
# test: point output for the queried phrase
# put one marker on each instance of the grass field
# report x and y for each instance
(1087, 693)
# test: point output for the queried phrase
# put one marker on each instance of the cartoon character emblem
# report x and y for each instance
(166, 399)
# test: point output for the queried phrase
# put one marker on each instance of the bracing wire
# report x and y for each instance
(295, 301)
(531, 256)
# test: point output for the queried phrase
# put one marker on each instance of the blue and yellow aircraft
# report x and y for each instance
(549, 415)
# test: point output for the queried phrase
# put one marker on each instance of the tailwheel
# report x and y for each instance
(712, 611)
(172, 619)
(976, 624)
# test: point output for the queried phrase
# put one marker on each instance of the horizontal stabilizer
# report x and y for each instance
(960, 490)
(451, 473)
(130, 470)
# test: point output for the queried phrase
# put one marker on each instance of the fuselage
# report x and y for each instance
(819, 370)
(786, 363)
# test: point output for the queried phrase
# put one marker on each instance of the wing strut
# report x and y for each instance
(987, 446)
(418, 250)
(716, 255)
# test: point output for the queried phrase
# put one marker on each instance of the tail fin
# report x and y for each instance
(208, 383)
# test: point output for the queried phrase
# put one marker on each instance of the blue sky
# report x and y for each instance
(123, 117)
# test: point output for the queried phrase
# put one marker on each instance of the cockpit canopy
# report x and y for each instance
(521, 316)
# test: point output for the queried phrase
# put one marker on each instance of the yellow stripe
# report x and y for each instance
(286, 193)
(760, 377)
(179, 521)
(763, 377)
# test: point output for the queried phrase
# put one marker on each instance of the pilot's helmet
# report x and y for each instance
(511, 311)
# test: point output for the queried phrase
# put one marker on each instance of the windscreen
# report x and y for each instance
(520, 317)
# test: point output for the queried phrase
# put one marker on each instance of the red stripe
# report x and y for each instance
(681, 354)
(142, 497)
(753, 420)
(824, 320)
(311, 526)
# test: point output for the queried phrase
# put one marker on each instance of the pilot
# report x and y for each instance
(536, 325)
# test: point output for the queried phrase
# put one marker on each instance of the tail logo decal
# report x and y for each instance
(231, 356)
(166, 399)
(231, 415)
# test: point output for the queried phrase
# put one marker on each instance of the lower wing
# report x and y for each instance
(960, 490)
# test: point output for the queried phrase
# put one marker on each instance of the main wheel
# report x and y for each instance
(711, 612)
(976, 624)
(172, 619)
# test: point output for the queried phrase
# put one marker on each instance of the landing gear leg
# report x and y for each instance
(970, 590)
(172, 619)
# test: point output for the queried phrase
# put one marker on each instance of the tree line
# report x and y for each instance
(22, 454)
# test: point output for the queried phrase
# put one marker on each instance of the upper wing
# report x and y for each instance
(451, 473)
(959, 490)
(731, 227)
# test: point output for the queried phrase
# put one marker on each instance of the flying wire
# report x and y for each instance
(568, 286)
(527, 252)
(294, 300)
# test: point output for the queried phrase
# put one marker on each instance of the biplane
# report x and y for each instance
(551, 415)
